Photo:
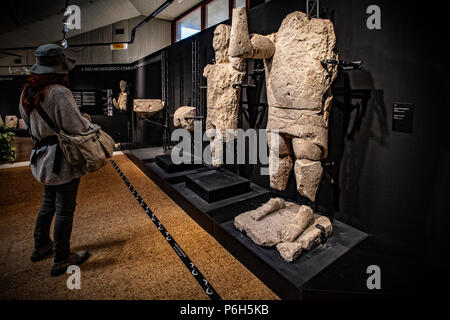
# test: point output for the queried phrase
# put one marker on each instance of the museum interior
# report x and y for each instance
(254, 150)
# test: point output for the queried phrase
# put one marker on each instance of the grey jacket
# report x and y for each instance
(60, 105)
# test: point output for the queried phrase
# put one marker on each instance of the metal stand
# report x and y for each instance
(313, 8)
(165, 98)
(255, 110)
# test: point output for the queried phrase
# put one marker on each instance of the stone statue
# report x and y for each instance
(11, 121)
(299, 97)
(288, 226)
(121, 103)
(222, 97)
(298, 91)
(183, 118)
(146, 108)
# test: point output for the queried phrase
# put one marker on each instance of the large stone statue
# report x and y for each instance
(299, 98)
(298, 92)
(222, 97)
(121, 103)
(146, 108)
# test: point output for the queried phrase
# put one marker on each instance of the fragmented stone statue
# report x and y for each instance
(146, 108)
(184, 118)
(121, 103)
(298, 92)
(290, 227)
(223, 92)
(11, 121)
(299, 98)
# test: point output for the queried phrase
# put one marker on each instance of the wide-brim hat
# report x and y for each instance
(50, 58)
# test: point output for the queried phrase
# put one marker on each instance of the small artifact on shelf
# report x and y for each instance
(184, 118)
(22, 124)
(11, 121)
(288, 226)
(121, 103)
(146, 108)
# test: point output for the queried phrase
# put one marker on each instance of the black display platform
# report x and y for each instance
(216, 185)
(214, 208)
(144, 154)
(287, 280)
(175, 177)
(166, 163)
(309, 263)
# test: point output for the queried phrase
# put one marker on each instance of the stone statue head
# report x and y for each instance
(123, 86)
(221, 41)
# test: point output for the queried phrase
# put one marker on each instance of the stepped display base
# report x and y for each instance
(165, 162)
(216, 185)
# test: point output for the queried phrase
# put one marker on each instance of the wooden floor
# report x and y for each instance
(130, 258)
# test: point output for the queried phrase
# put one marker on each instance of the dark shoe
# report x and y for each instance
(42, 252)
(75, 258)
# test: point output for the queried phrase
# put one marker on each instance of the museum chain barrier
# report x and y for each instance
(209, 290)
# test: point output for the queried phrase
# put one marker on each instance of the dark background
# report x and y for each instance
(392, 185)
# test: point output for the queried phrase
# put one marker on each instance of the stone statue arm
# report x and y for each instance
(242, 45)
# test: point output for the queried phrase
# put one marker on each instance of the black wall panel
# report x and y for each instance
(10, 90)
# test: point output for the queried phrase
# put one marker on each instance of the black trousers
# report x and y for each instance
(60, 199)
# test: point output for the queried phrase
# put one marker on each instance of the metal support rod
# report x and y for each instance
(155, 123)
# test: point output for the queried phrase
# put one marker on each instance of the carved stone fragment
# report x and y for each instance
(183, 118)
(121, 103)
(273, 205)
(303, 219)
(308, 175)
(11, 121)
(146, 108)
(291, 228)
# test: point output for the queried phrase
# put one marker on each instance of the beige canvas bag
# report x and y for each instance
(89, 151)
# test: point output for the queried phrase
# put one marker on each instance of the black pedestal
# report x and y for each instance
(165, 162)
(216, 185)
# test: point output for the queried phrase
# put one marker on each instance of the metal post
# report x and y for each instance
(311, 6)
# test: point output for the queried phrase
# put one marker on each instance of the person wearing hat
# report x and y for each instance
(47, 86)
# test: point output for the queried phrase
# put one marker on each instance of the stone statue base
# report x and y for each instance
(288, 226)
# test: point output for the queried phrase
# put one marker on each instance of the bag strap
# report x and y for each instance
(43, 114)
